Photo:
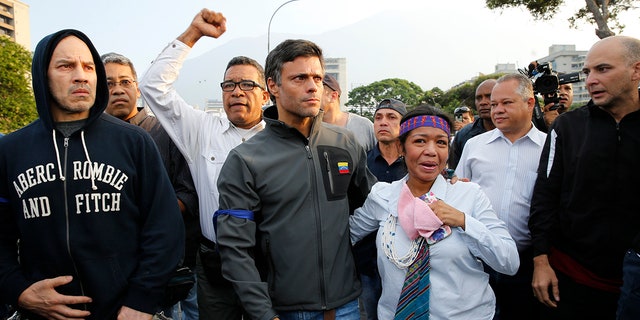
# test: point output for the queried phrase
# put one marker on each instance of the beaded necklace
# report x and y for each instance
(389, 233)
(388, 246)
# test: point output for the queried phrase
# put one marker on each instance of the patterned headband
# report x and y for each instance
(425, 121)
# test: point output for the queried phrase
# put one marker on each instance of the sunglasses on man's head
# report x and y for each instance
(461, 110)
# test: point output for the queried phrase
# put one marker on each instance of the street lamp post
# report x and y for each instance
(269, 29)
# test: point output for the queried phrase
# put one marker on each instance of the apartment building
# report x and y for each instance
(14, 22)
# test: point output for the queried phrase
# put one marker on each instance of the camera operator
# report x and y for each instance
(463, 116)
(565, 94)
(556, 90)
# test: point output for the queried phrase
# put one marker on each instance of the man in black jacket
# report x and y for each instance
(584, 212)
(87, 198)
(122, 80)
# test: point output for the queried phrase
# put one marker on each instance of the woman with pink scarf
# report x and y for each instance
(433, 236)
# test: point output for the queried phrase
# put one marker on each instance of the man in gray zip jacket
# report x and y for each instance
(285, 199)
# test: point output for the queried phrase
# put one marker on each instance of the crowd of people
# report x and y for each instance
(304, 211)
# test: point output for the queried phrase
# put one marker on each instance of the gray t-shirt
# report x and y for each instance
(70, 127)
(362, 128)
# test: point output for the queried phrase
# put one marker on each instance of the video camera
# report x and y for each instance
(546, 82)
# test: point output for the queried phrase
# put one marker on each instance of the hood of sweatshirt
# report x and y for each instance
(39, 68)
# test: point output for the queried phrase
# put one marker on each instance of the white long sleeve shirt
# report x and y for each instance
(506, 172)
(203, 138)
(459, 286)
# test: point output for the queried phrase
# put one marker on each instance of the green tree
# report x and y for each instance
(463, 95)
(363, 99)
(17, 105)
(598, 12)
(433, 97)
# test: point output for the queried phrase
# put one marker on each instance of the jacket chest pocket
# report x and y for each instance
(337, 169)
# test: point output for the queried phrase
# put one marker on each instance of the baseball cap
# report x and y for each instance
(393, 104)
(332, 83)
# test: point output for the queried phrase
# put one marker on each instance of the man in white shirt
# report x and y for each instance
(205, 140)
(504, 162)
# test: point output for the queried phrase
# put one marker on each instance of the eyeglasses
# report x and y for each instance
(127, 84)
(245, 85)
(462, 109)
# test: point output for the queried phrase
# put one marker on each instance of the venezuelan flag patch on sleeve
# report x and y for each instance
(343, 167)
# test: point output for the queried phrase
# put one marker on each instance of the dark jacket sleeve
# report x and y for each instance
(182, 182)
(161, 244)
(185, 189)
(461, 138)
(236, 238)
(455, 153)
(12, 281)
(545, 203)
(175, 163)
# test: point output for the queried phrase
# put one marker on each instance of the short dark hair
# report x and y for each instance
(424, 110)
(288, 51)
(246, 61)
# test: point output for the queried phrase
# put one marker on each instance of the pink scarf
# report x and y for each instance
(415, 216)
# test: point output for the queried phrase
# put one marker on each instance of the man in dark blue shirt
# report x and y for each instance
(385, 160)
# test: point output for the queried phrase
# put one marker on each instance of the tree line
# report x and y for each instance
(363, 99)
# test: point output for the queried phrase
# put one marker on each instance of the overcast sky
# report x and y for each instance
(460, 29)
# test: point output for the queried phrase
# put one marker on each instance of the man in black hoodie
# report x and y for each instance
(86, 197)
